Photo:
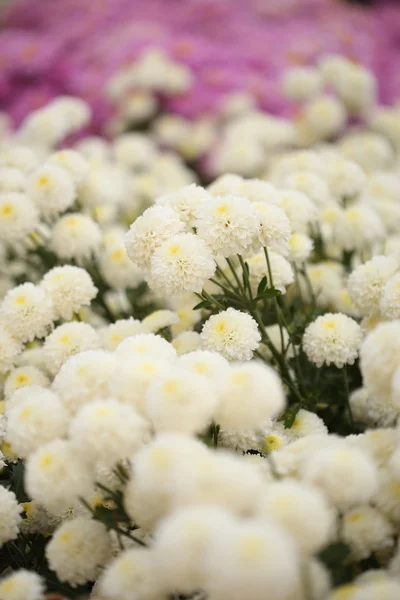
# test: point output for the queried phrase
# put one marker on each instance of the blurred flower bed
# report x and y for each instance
(50, 48)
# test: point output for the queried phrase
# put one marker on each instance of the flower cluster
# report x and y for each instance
(200, 380)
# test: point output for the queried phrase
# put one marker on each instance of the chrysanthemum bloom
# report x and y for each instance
(66, 340)
(78, 549)
(232, 333)
(22, 585)
(147, 344)
(133, 569)
(187, 202)
(52, 189)
(18, 217)
(10, 348)
(228, 224)
(380, 358)
(28, 311)
(10, 512)
(69, 288)
(181, 264)
(56, 476)
(21, 377)
(35, 416)
(332, 338)
(156, 225)
(275, 228)
(75, 236)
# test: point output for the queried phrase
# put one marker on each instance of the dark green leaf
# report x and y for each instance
(290, 415)
(262, 286)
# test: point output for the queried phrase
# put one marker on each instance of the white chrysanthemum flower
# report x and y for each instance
(75, 236)
(370, 150)
(332, 338)
(146, 344)
(52, 189)
(186, 342)
(132, 572)
(357, 227)
(367, 282)
(325, 115)
(95, 149)
(244, 156)
(10, 348)
(160, 319)
(187, 202)
(77, 550)
(232, 333)
(181, 264)
(10, 515)
(301, 83)
(180, 402)
(275, 228)
(156, 225)
(21, 377)
(28, 312)
(390, 300)
(19, 157)
(380, 444)
(107, 431)
(345, 177)
(299, 208)
(134, 150)
(211, 365)
(380, 358)
(300, 248)
(75, 112)
(386, 588)
(67, 340)
(261, 387)
(229, 183)
(70, 288)
(22, 585)
(83, 378)
(130, 382)
(183, 538)
(249, 558)
(73, 162)
(34, 419)
(117, 269)
(12, 180)
(347, 475)
(117, 332)
(228, 224)
(149, 495)
(302, 510)
(305, 423)
(374, 411)
(56, 476)
(299, 160)
(282, 273)
(365, 530)
(18, 217)
(106, 184)
(310, 184)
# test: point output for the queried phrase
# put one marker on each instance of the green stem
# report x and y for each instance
(276, 305)
(347, 396)
(233, 270)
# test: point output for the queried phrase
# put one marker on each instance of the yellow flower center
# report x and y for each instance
(250, 548)
(21, 379)
(117, 254)
(43, 180)
(64, 339)
(173, 249)
(6, 210)
(46, 461)
(220, 327)
(329, 324)
(170, 387)
(272, 442)
(20, 300)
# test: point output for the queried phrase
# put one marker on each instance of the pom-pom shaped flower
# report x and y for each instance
(156, 225)
(77, 550)
(52, 189)
(67, 340)
(28, 311)
(187, 202)
(181, 264)
(332, 338)
(10, 515)
(228, 224)
(18, 217)
(106, 431)
(35, 416)
(56, 476)
(10, 348)
(180, 402)
(69, 288)
(75, 236)
(22, 585)
(232, 333)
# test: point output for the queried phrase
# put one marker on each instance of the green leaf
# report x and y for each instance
(290, 415)
(335, 554)
(202, 304)
(262, 286)
(17, 482)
